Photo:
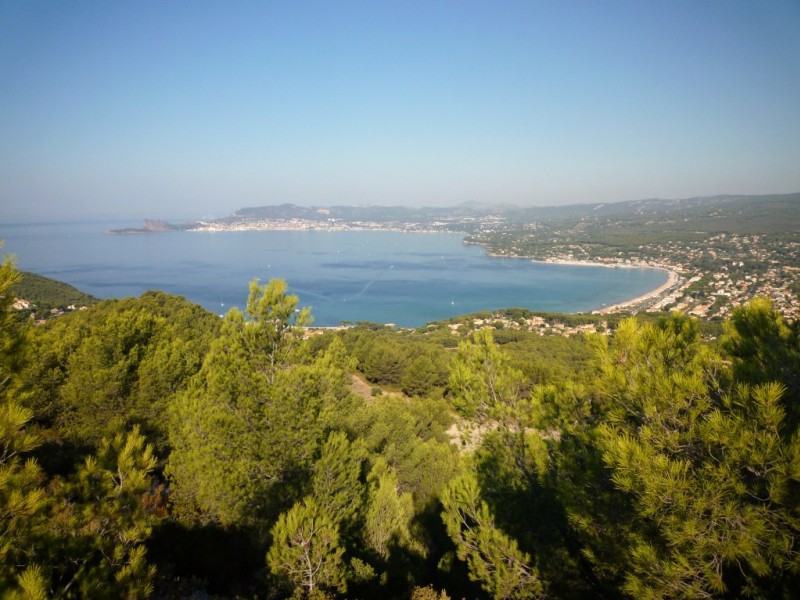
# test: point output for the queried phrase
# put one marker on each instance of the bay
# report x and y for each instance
(407, 279)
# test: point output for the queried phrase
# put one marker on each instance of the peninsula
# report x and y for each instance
(150, 226)
(720, 251)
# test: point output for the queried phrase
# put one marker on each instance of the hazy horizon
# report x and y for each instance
(180, 110)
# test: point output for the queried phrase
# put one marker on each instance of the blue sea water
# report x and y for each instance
(407, 279)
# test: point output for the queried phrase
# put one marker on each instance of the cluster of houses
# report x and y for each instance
(718, 273)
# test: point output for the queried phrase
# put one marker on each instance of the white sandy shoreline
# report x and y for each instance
(673, 278)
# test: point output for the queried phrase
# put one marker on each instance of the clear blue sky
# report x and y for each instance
(194, 109)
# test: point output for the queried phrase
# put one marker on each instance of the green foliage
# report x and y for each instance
(22, 498)
(12, 333)
(420, 377)
(336, 485)
(416, 362)
(32, 585)
(276, 334)
(115, 365)
(245, 433)
(765, 348)
(305, 550)
(698, 502)
(551, 359)
(110, 505)
(496, 396)
(385, 362)
(485, 386)
(430, 465)
(428, 593)
(45, 294)
(493, 558)
(511, 462)
(83, 537)
(389, 512)
(710, 475)
(410, 436)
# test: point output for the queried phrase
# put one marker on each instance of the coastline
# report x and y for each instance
(673, 279)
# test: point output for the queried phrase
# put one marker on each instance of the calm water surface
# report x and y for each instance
(389, 277)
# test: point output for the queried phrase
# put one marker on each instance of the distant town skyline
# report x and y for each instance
(191, 110)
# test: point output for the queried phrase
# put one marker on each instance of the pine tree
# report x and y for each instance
(102, 517)
(419, 377)
(389, 512)
(493, 557)
(245, 433)
(765, 348)
(115, 365)
(384, 362)
(336, 486)
(511, 462)
(305, 550)
(710, 475)
(486, 387)
(22, 497)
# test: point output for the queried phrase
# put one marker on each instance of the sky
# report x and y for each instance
(189, 110)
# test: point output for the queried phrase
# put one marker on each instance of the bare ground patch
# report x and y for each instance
(361, 387)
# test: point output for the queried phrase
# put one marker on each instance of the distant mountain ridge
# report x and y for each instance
(746, 205)
(365, 213)
(768, 213)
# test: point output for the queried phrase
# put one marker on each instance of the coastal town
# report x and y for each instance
(721, 252)
(307, 225)
(708, 278)
(718, 252)
(708, 272)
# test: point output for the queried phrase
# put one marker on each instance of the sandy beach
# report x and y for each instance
(672, 279)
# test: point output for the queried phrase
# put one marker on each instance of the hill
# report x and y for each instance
(745, 214)
(47, 296)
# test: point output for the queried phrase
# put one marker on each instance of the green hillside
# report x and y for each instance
(150, 449)
(45, 294)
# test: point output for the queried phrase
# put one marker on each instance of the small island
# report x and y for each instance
(150, 226)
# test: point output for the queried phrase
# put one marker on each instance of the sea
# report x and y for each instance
(406, 279)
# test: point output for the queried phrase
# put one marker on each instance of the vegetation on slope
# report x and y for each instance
(151, 450)
(46, 295)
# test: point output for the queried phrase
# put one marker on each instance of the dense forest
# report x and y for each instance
(149, 448)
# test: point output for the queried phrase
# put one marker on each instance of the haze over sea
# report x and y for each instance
(407, 279)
